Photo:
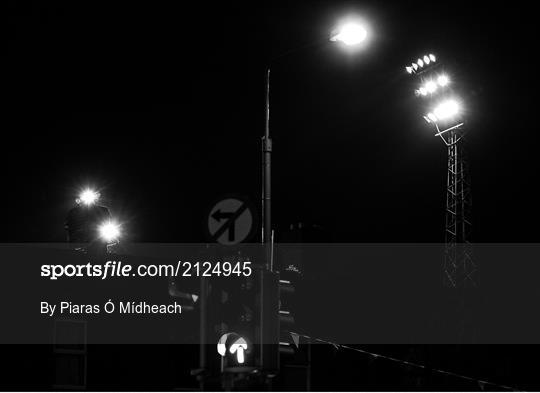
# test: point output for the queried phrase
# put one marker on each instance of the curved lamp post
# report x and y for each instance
(350, 33)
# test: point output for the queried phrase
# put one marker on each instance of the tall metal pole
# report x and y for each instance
(266, 231)
(267, 174)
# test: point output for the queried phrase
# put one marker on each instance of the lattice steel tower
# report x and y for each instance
(444, 112)
(459, 269)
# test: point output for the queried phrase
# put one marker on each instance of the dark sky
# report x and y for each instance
(161, 106)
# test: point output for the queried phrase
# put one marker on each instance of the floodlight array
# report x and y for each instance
(445, 110)
(421, 63)
(433, 85)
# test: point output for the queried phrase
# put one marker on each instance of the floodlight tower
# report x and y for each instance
(445, 114)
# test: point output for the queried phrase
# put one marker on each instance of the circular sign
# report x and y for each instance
(230, 221)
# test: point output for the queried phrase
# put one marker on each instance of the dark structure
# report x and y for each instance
(82, 222)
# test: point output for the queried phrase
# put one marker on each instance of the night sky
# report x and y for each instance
(161, 106)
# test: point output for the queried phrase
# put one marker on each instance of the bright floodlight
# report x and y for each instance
(422, 91)
(350, 34)
(109, 231)
(427, 59)
(420, 62)
(446, 110)
(432, 58)
(409, 69)
(88, 197)
(430, 86)
(443, 80)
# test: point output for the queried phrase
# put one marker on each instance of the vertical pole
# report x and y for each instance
(203, 335)
(267, 175)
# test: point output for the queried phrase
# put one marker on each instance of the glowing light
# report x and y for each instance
(430, 86)
(421, 62)
(431, 117)
(443, 80)
(238, 347)
(88, 197)
(109, 231)
(221, 347)
(446, 110)
(350, 34)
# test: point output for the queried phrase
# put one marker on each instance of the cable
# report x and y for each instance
(481, 383)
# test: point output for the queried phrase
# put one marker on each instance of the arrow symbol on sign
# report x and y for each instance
(231, 217)
(219, 215)
(227, 221)
(239, 347)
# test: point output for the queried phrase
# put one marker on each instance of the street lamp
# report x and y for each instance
(351, 33)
